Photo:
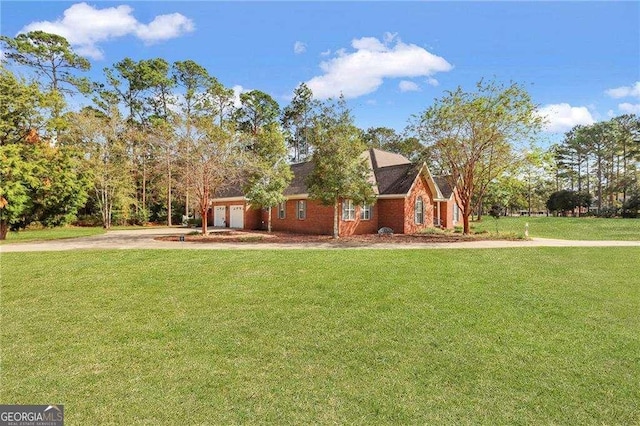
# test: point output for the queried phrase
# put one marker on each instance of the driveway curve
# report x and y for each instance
(145, 239)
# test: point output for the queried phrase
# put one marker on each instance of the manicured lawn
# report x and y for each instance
(566, 228)
(513, 336)
(51, 234)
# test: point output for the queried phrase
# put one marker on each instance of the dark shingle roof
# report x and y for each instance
(298, 184)
(396, 179)
(443, 184)
(394, 174)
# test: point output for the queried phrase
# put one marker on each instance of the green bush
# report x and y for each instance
(195, 222)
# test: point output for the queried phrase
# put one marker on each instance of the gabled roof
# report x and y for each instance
(391, 174)
(396, 179)
(381, 158)
(298, 184)
(443, 184)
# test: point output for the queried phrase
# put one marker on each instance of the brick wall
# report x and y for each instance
(318, 219)
(359, 226)
(420, 189)
(390, 214)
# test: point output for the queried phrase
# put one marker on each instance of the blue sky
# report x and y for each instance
(579, 60)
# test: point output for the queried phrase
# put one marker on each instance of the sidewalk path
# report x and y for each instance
(144, 239)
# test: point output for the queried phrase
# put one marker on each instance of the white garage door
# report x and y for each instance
(237, 217)
(218, 215)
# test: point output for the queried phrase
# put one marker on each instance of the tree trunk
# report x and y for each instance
(203, 215)
(269, 221)
(466, 212)
(169, 197)
(336, 229)
(465, 222)
(4, 227)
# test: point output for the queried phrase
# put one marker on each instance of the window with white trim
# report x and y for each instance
(419, 211)
(456, 213)
(282, 210)
(302, 209)
(348, 210)
(365, 212)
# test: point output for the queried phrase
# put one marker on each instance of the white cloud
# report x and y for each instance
(237, 89)
(433, 82)
(408, 86)
(628, 108)
(299, 47)
(625, 91)
(85, 27)
(563, 117)
(326, 52)
(364, 70)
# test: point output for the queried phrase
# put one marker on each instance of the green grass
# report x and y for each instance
(566, 228)
(511, 336)
(46, 234)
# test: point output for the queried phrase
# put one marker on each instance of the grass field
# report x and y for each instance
(513, 336)
(565, 228)
(46, 234)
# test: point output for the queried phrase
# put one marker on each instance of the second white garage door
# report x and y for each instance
(236, 218)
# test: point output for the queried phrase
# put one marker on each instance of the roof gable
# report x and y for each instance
(391, 174)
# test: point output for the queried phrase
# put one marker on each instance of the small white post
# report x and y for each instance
(526, 230)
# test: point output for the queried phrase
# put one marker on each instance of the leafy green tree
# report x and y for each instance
(55, 63)
(51, 56)
(38, 182)
(268, 172)
(16, 177)
(388, 139)
(256, 111)
(102, 137)
(469, 136)
(213, 156)
(193, 79)
(564, 201)
(340, 171)
(297, 121)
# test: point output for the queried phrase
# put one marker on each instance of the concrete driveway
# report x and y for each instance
(144, 239)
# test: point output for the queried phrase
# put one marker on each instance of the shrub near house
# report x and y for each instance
(408, 199)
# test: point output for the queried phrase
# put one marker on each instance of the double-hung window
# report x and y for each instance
(348, 210)
(419, 211)
(365, 212)
(282, 210)
(301, 209)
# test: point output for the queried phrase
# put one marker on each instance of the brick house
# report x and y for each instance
(408, 200)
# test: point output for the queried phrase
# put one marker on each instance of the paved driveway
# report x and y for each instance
(144, 239)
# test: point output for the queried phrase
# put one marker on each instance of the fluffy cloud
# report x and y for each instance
(363, 71)
(299, 47)
(408, 86)
(563, 117)
(432, 82)
(628, 108)
(237, 90)
(625, 91)
(85, 27)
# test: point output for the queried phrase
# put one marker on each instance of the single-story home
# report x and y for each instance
(408, 200)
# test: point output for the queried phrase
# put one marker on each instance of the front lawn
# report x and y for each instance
(565, 228)
(517, 336)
